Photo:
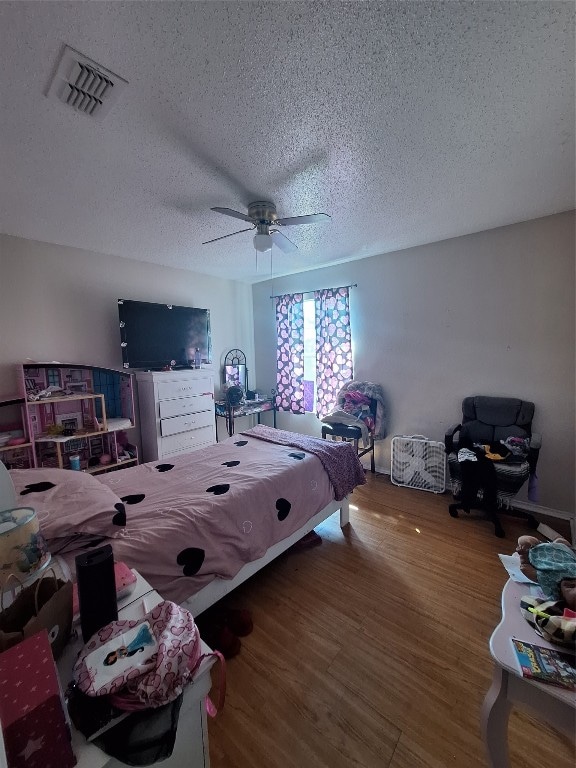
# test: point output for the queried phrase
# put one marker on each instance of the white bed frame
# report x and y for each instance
(218, 588)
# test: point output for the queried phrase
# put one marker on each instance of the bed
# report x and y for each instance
(198, 525)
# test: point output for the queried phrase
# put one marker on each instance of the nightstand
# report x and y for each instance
(191, 748)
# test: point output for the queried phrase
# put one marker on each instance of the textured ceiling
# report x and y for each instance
(407, 122)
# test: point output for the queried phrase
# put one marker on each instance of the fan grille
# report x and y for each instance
(417, 462)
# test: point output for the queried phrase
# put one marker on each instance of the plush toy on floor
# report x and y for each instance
(222, 628)
(553, 566)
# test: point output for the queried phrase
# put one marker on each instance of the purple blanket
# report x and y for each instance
(339, 459)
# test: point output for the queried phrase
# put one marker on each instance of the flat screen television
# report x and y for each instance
(158, 335)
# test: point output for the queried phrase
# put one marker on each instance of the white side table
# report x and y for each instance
(556, 706)
(191, 747)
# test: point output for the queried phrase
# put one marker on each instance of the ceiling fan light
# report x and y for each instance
(262, 242)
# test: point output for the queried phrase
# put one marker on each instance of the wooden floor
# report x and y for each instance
(371, 650)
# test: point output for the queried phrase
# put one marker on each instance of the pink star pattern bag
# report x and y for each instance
(161, 678)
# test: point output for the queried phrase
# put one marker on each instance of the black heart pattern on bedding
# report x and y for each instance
(191, 558)
(36, 488)
(120, 516)
(218, 490)
(133, 498)
(283, 506)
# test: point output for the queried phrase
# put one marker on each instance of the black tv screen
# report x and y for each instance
(158, 335)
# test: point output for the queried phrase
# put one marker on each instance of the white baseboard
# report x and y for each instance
(550, 533)
(538, 509)
(379, 470)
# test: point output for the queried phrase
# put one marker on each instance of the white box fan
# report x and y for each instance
(417, 462)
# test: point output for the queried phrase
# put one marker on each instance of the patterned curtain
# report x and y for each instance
(290, 353)
(333, 346)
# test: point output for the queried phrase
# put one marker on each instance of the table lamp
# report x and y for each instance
(22, 546)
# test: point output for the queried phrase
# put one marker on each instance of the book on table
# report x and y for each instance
(546, 665)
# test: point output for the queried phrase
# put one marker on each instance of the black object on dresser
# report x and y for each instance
(96, 590)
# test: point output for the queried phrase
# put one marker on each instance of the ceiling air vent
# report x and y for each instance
(84, 85)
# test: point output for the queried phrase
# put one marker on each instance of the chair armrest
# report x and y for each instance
(450, 444)
(536, 441)
(534, 451)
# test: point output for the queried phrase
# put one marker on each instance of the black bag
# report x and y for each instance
(139, 738)
(144, 737)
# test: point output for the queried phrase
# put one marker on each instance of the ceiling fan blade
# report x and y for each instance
(230, 212)
(224, 236)
(311, 218)
(282, 241)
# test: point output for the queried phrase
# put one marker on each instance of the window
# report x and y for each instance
(309, 355)
(314, 350)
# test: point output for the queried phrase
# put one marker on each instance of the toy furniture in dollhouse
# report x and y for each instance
(78, 410)
(16, 450)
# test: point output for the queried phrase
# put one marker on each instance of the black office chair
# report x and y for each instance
(483, 483)
(353, 434)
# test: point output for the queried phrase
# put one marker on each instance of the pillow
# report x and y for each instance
(69, 502)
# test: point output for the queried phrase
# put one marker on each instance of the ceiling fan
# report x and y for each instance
(262, 215)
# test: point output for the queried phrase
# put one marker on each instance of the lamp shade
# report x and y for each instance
(8, 498)
(22, 546)
(262, 242)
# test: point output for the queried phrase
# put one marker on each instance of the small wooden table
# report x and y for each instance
(557, 706)
(191, 747)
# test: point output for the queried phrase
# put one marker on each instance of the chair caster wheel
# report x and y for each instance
(453, 510)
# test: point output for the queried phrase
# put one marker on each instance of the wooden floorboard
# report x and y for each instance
(371, 650)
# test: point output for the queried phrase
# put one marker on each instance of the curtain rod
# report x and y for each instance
(278, 295)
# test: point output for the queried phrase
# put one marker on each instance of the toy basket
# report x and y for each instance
(417, 462)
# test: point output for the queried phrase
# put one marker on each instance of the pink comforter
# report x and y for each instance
(212, 511)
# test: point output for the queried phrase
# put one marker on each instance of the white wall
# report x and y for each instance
(59, 303)
(490, 313)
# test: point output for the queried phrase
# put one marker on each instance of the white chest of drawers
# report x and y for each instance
(176, 412)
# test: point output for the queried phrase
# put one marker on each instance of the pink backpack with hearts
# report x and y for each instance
(163, 677)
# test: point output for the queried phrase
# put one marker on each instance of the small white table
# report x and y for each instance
(556, 706)
(191, 747)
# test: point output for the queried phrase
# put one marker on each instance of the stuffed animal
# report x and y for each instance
(553, 565)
